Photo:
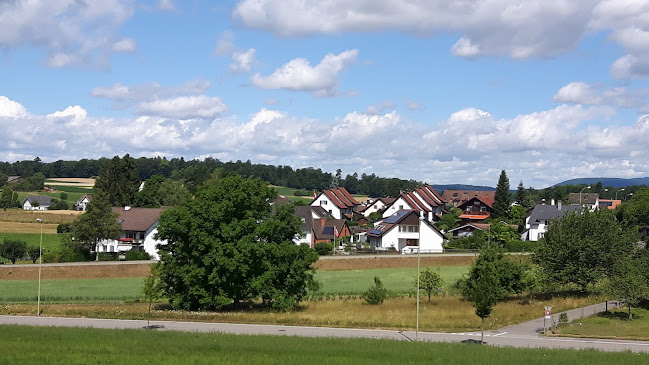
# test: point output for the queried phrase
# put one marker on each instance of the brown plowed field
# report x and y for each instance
(8, 272)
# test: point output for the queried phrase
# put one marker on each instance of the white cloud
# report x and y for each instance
(225, 45)
(513, 28)
(470, 146)
(379, 108)
(584, 93)
(184, 107)
(71, 32)
(242, 61)
(126, 45)
(414, 105)
(150, 91)
(166, 5)
(299, 75)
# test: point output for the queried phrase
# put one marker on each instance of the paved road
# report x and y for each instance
(522, 335)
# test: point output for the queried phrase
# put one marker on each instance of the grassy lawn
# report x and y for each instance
(29, 216)
(73, 290)
(54, 345)
(398, 280)
(614, 324)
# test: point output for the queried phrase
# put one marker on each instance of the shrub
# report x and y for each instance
(301, 192)
(108, 256)
(50, 257)
(64, 228)
(133, 255)
(376, 294)
(324, 248)
(521, 246)
(60, 205)
(64, 196)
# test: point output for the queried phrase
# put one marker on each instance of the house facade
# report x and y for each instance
(308, 215)
(424, 200)
(407, 232)
(139, 231)
(82, 203)
(37, 202)
(476, 210)
(376, 206)
(589, 200)
(338, 202)
(467, 230)
(536, 225)
(458, 197)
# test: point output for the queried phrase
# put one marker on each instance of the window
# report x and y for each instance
(400, 207)
(413, 229)
(483, 209)
(323, 202)
(469, 208)
(455, 195)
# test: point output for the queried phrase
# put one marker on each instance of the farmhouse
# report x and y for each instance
(37, 202)
(406, 231)
(338, 202)
(476, 209)
(139, 230)
(82, 203)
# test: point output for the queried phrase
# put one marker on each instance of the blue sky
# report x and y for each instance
(439, 91)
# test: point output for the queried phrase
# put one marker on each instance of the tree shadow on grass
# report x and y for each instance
(619, 315)
(242, 307)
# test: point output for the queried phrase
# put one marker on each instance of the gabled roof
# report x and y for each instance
(137, 219)
(41, 200)
(457, 197)
(306, 213)
(394, 220)
(11, 179)
(387, 201)
(340, 197)
(543, 212)
(429, 194)
(480, 226)
(486, 201)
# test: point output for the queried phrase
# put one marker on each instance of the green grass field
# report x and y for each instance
(73, 197)
(397, 281)
(614, 324)
(51, 242)
(53, 345)
(76, 290)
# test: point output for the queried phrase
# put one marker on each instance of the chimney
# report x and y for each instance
(559, 205)
(552, 201)
(430, 216)
(323, 221)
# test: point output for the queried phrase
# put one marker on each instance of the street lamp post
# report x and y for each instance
(618, 192)
(418, 290)
(582, 190)
(40, 267)
(626, 197)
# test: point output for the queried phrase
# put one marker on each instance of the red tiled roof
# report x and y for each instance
(480, 217)
(341, 198)
(466, 195)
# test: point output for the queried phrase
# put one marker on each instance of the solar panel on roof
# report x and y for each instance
(376, 231)
(395, 217)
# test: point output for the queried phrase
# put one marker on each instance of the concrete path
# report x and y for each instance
(525, 335)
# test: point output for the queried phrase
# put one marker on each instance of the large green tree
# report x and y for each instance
(13, 250)
(229, 245)
(96, 224)
(583, 247)
(6, 199)
(629, 281)
(119, 179)
(521, 194)
(502, 198)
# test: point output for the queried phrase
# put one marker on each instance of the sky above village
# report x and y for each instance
(449, 91)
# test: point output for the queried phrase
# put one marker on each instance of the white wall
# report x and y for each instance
(395, 207)
(324, 202)
(378, 205)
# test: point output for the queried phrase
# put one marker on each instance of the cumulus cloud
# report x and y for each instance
(299, 75)
(470, 146)
(166, 5)
(71, 32)
(242, 61)
(414, 105)
(517, 29)
(184, 107)
(584, 93)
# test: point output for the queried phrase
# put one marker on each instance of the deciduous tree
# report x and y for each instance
(429, 281)
(228, 245)
(13, 250)
(96, 224)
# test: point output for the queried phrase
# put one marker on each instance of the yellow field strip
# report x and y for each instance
(15, 227)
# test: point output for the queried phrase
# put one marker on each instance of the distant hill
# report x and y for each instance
(442, 188)
(607, 181)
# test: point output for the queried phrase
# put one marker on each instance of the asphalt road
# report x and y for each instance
(523, 335)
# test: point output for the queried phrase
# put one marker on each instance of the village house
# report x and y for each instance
(424, 200)
(459, 197)
(81, 204)
(37, 202)
(536, 225)
(468, 229)
(476, 209)
(589, 200)
(338, 202)
(139, 231)
(609, 203)
(377, 205)
(407, 232)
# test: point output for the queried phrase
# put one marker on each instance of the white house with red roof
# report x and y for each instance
(337, 201)
(407, 232)
(423, 199)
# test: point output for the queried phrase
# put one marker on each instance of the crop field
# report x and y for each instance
(51, 242)
(396, 280)
(29, 216)
(71, 181)
(71, 290)
(15, 227)
(69, 346)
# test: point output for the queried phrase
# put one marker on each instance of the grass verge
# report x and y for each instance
(51, 242)
(69, 346)
(76, 290)
(614, 324)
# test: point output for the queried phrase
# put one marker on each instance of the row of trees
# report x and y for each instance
(14, 250)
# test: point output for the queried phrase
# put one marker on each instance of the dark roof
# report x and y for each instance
(543, 212)
(401, 216)
(138, 219)
(586, 198)
(41, 200)
(485, 200)
(457, 197)
(305, 213)
(326, 231)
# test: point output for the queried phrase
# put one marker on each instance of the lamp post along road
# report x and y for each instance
(618, 192)
(418, 261)
(627, 196)
(40, 267)
(582, 190)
